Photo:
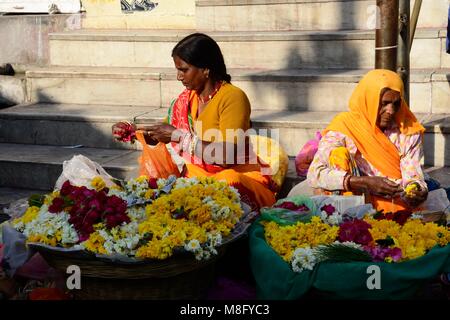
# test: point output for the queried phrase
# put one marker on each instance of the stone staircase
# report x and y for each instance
(298, 61)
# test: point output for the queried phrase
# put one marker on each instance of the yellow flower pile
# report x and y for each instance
(285, 239)
(188, 213)
(165, 234)
(29, 215)
(414, 238)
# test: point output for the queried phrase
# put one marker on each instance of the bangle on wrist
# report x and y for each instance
(346, 183)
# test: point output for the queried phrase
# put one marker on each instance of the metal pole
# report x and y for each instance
(414, 18)
(386, 35)
(403, 46)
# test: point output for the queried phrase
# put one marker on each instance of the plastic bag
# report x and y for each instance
(156, 162)
(283, 211)
(306, 155)
(80, 171)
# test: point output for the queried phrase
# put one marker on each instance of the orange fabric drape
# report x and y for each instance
(360, 123)
(247, 179)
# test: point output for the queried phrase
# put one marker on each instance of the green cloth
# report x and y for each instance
(337, 280)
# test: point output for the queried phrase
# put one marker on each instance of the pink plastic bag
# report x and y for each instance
(306, 155)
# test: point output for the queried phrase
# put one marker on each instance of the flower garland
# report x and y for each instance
(333, 236)
(142, 218)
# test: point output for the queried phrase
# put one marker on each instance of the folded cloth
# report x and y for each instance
(15, 251)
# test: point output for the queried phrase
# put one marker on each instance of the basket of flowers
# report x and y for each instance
(364, 255)
(137, 239)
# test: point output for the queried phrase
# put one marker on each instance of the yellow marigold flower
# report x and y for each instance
(30, 214)
(148, 194)
(141, 179)
(285, 239)
(410, 188)
(97, 183)
(95, 243)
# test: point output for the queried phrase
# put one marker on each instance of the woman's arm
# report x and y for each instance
(320, 174)
(412, 170)
(222, 153)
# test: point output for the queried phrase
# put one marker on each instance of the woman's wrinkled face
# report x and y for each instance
(191, 77)
(390, 103)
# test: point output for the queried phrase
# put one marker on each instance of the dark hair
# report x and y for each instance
(202, 51)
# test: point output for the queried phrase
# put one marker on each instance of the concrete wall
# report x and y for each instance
(24, 38)
(168, 14)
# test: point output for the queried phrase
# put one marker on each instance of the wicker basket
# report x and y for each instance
(178, 277)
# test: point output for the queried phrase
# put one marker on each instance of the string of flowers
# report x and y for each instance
(376, 237)
(142, 218)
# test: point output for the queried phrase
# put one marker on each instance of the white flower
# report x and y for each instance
(334, 219)
(214, 239)
(192, 246)
(303, 258)
(47, 223)
(415, 216)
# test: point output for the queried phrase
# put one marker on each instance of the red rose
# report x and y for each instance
(57, 205)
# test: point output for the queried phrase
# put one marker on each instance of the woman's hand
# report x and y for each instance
(376, 185)
(415, 197)
(383, 186)
(158, 132)
(124, 131)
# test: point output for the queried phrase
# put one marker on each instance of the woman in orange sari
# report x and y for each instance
(207, 123)
(375, 148)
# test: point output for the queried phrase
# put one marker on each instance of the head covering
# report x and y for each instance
(360, 123)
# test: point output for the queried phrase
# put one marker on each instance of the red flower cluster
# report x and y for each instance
(400, 216)
(292, 206)
(356, 231)
(329, 209)
(124, 132)
(153, 183)
(88, 207)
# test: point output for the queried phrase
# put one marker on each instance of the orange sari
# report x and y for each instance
(256, 189)
(360, 124)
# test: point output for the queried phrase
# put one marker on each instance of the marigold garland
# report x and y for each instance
(191, 214)
(302, 244)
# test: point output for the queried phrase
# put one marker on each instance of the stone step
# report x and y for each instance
(437, 139)
(12, 90)
(90, 126)
(267, 15)
(241, 49)
(38, 167)
(66, 124)
(293, 89)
